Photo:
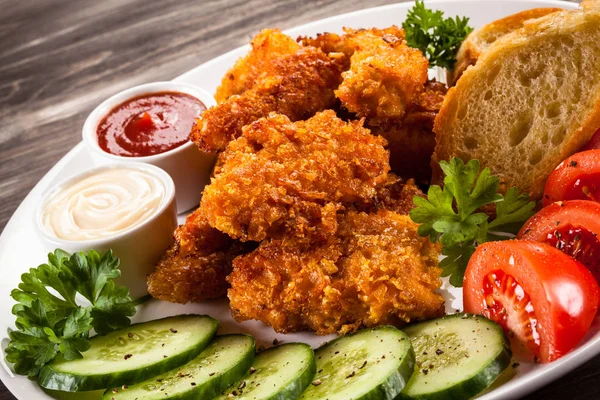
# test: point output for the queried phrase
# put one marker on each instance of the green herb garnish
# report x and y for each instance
(437, 37)
(50, 322)
(452, 215)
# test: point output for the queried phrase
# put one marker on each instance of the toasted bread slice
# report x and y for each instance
(531, 100)
(481, 39)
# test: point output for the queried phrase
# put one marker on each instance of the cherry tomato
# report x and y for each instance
(594, 142)
(576, 178)
(544, 300)
(573, 227)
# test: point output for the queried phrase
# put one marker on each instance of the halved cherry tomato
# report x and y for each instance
(594, 142)
(545, 300)
(576, 178)
(571, 226)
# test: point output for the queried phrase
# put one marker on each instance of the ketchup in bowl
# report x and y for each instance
(149, 124)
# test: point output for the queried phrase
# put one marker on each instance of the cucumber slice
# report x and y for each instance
(220, 365)
(371, 364)
(280, 373)
(132, 355)
(458, 356)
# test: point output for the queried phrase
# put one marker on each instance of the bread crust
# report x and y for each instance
(480, 39)
(450, 140)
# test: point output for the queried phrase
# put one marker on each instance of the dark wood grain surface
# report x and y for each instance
(60, 58)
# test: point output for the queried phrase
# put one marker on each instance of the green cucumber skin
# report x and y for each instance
(218, 383)
(475, 384)
(50, 378)
(395, 382)
(392, 385)
(470, 388)
(296, 387)
(222, 381)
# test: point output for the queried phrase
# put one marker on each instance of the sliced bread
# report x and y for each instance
(481, 39)
(531, 100)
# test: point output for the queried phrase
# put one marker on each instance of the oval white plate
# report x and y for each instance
(20, 249)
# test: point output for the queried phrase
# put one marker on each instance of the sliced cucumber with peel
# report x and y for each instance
(372, 364)
(280, 373)
(220, 365)
(132, 355)
(458, 356)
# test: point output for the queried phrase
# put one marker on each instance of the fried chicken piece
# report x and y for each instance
(296, 85)
(267, 46)
(394, 195)
(376, 270)
(431, 99)
(195, 267)
(383, 75)
(347, 43)
(384, 78)
(411, 140)
(386, 83)
(282, 177)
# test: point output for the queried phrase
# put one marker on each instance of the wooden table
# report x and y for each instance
(60, 58)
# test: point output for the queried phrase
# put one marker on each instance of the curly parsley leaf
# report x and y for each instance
(49, 319)
(437, 37)
(451, 215)
(29, 350)
(510, 213)
(455, 263)
(112, 309)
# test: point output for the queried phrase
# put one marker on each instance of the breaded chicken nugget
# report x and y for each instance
(347, 43)
(394, 195)
(376, 270)
(282, 177)
(411, 140)
(296, 85)
(384, 78)
(267, 46)
(195, 267)
(383, 75)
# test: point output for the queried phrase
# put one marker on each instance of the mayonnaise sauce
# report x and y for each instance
(103, 204)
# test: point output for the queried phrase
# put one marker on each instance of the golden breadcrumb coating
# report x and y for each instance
(268, 45)
(383, 75)
(386, 83)
(296, 85)
(347, 43)
(337, 250)
(283, 177)
(431, 98)
(195, 266)
(384, 78)
(411, 140)
(394, 195)
(376, 270)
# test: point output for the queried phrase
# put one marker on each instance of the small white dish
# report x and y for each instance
(188, 166)
(139, 246)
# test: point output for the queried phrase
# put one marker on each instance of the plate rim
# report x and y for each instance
(534, 380)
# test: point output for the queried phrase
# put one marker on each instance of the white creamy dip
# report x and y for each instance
(103, 204)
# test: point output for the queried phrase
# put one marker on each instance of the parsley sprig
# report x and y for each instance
(452, 215)
(49, 318)
(437, 37)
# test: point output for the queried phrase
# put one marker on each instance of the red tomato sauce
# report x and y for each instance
(149, 124)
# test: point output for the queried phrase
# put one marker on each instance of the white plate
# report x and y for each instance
(20, 248)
